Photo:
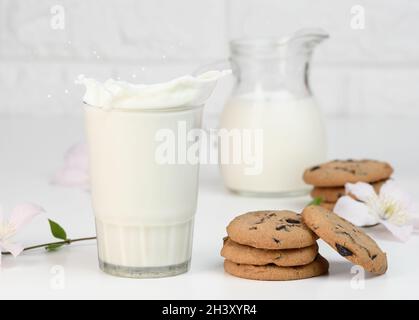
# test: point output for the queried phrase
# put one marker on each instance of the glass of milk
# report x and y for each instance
(272, 95)
(144, 196)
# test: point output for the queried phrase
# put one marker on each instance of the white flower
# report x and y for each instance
(391, 207)
(21, 215)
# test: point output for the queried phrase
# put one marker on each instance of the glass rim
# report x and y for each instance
(145, 110)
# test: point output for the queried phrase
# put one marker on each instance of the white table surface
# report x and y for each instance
(31, 149)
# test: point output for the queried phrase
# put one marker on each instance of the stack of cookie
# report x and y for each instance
(329, 179)
(272, 245)
(281, 245)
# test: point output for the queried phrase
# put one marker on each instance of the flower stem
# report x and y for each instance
(65, 242)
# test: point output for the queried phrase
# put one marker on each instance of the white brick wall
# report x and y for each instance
(370, 71)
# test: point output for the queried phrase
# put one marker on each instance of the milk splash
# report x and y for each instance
(186, 91)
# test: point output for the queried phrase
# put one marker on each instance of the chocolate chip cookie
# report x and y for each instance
(337, 173)
(332, 194)
(271, 230)
(241, 254)
(328, 205)
(348, 240)
(272, 272)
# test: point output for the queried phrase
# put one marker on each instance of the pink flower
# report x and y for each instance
(75, 171)
(391, 207)
(21, 215)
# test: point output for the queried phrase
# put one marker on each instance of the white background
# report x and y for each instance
(372, 71)
(365, 80)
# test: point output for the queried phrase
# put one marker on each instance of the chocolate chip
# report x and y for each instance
(351, 171)
(347, 234)
(260, 221)
(315, 168)
(374, 257)
(280, 228)
(273, 214)
(343, 251)
(276, 240)
(293, 221)
(253, 228)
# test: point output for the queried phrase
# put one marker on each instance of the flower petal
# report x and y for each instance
(14, 248)
(414, 222)
(354, 211)
(390, 189)
(71, 177)
(77, 157)
(361, 190)
(403, 233)
(75, 171)
(24, 213)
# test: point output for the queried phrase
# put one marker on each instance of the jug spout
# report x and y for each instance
(308, 39)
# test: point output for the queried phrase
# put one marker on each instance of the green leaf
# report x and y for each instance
(53, 247)
(316, 201)
(57, 231)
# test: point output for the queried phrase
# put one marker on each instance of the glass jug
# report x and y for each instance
(272, 97)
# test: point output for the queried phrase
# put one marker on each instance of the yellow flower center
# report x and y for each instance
(389, 209)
